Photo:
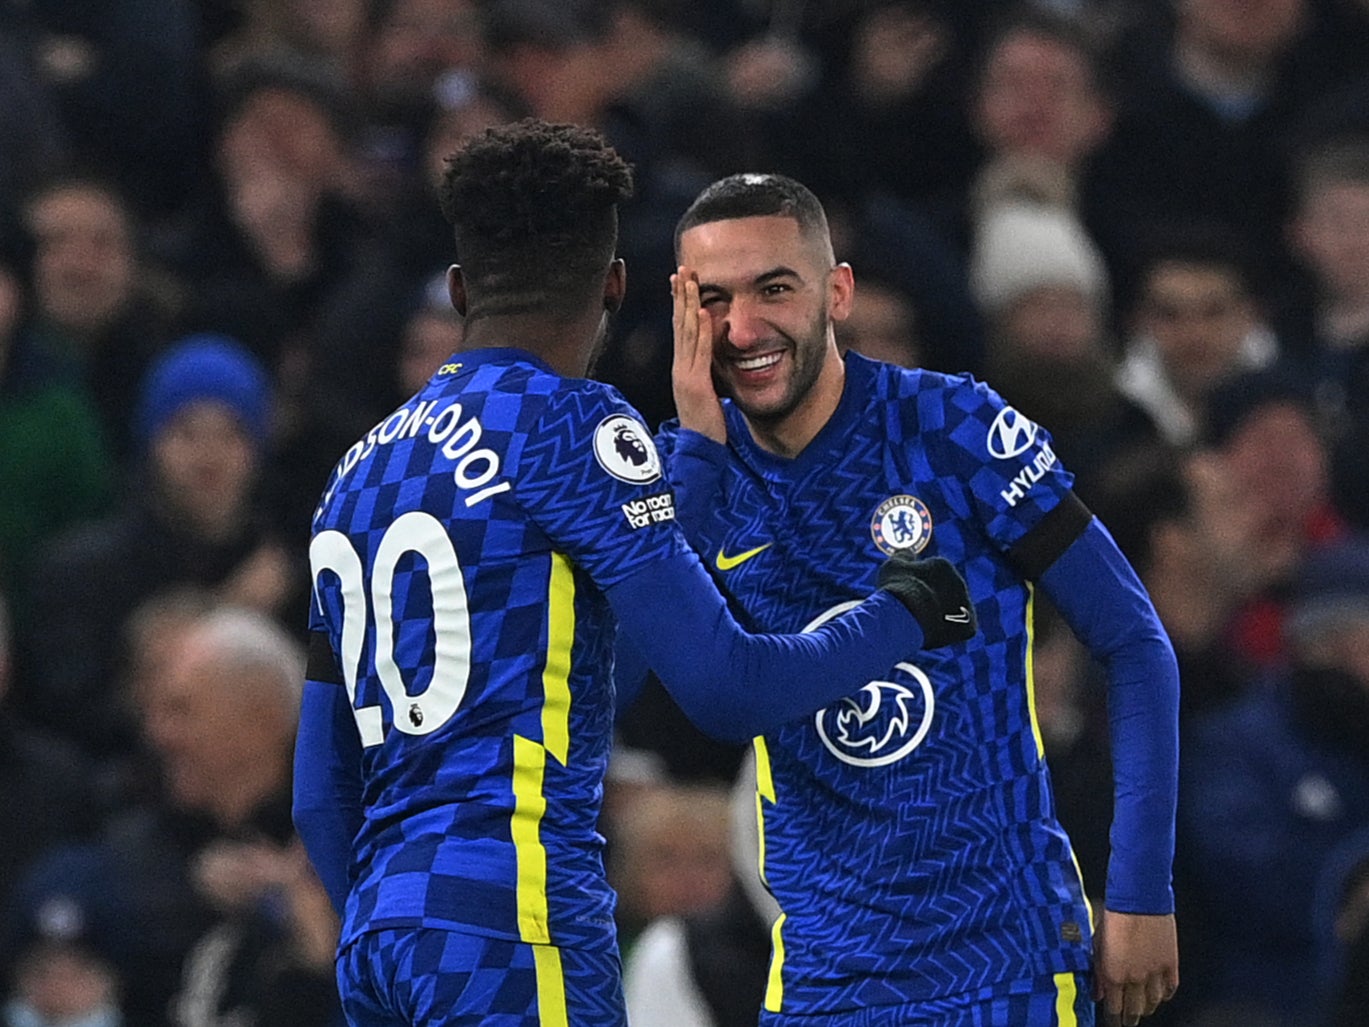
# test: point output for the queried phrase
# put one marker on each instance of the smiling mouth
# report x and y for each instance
(759, 363)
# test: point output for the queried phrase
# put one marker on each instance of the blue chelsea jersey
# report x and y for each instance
(460, 553)
(908, 831)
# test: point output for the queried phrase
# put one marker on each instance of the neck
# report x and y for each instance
(789, 435)
(212, 519)
(566, 343)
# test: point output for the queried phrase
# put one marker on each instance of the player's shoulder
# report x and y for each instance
(583, 416)
(897, 383)
(583, 404)
(921, 399)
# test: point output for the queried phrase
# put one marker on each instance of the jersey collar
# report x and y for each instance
(499, 355)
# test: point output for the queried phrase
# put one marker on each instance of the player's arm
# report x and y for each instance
(695, 466)
(1075, 560)
(735, 685)
(327, 783)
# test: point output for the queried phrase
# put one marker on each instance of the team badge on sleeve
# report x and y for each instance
(623, 447)
(901, 522)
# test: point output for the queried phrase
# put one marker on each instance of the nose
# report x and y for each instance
(741, 327)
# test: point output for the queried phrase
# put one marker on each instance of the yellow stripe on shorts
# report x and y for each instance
(551, 986)
(1066, 994)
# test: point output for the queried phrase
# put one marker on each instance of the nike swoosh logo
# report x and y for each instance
(963, 617)
(726, 563)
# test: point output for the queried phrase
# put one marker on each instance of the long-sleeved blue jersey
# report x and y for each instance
(908, 830)
(473, 556)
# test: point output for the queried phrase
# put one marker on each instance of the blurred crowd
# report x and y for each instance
(1145, 222)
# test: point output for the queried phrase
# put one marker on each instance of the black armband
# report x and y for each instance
(322, 665)
(1039, 548)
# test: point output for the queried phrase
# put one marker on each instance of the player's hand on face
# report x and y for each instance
(1136, 965)
(691, 374)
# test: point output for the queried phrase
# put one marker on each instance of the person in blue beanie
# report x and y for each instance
(192, 518)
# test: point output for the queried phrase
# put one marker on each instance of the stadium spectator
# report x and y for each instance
(1208, 93)
(1196, 553)
(708, 967)
(65, 944)
(890, 80)
(882, 325)
(128, 83)
(1330, 229)
(1264, 468)
(1195, 320)
(261, 251)
(54, 465)
(1039, 108)
(418, 55)
(330, 35)
(669, 855)
(102, 309)
(1274, 785)
(1044, 290)
(228, 921)
(192, 517)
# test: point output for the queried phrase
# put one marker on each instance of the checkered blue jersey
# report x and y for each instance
(908, 831)
(460, 552)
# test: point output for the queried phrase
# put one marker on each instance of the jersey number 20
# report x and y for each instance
(414, 532)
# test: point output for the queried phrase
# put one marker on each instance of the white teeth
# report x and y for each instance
(756, 363)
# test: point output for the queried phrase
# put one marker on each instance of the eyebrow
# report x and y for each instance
(760, 280)
(777, 272)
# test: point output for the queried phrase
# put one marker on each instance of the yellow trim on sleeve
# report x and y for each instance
(1031, 671)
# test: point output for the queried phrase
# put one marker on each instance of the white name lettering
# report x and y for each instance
(1028, 476)
(474, 470)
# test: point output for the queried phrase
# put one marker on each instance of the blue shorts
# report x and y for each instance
(423, 977)
(1059, 1000)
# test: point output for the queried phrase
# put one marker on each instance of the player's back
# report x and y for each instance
(452, 582)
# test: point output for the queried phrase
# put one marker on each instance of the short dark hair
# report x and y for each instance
(750, 195)
(534, 209)
(1198, 244)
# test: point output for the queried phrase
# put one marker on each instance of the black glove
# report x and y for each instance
(935, 594)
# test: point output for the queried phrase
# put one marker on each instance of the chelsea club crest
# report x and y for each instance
(901, 522)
